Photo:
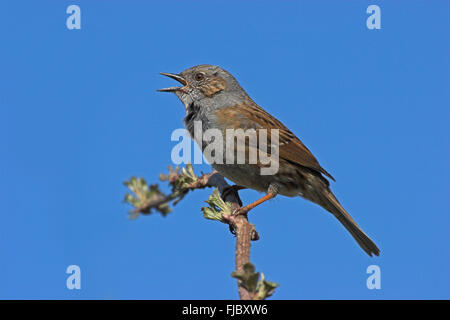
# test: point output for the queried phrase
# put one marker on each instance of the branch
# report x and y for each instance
(223, 203)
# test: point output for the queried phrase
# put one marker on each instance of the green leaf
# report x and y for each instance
(255, 282)
(217, 207)
(249, 268)
(142, 195)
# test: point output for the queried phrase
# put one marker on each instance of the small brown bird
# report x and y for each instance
(213, 96)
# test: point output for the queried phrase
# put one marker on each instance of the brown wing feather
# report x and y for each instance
(250, 115)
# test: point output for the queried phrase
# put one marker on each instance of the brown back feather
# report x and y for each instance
(251, 116)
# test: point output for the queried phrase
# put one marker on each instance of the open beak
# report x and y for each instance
(177, 77)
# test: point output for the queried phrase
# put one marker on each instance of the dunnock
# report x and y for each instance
(213, 96)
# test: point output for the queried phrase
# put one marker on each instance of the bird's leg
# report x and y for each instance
(252, 205)
(271, 193)
(235, 188)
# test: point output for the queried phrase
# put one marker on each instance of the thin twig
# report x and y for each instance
(245, 231)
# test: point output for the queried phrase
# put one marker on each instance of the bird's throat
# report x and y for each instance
(192, 114)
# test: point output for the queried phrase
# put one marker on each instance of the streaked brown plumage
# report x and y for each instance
(213, 96)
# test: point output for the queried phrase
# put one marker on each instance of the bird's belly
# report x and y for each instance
(249, 176)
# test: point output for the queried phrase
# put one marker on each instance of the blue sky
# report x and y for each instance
(79, 114)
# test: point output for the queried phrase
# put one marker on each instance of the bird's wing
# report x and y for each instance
(251, 116)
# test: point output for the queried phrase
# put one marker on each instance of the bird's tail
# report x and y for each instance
(329, 202)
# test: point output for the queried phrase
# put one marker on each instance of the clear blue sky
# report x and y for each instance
(79, 114)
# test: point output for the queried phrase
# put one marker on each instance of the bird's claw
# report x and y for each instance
(239, 211)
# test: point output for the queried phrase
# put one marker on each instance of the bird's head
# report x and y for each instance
(205, 84)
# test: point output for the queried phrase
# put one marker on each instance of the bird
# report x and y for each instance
(213, 96)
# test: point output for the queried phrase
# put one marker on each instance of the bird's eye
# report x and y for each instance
(199, 76)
